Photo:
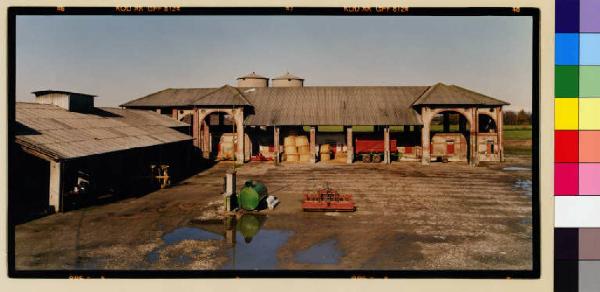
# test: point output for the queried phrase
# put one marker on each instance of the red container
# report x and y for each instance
(374, 146)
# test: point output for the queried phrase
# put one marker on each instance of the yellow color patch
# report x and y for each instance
(589, 113)
(566, 112)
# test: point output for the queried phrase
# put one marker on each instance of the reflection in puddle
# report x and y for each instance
(516, 168)
(524, 184)
(325, 252)
(250, 247)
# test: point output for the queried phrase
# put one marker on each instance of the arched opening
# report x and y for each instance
(218, 136)
(487, 124)
(449, 136)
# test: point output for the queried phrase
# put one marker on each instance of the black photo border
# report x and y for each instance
(534, 273)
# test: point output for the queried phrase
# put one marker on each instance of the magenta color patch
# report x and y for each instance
(589, 19)
(566, 179)
(589, 176)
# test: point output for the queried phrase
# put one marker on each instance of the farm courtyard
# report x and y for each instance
(408, 217)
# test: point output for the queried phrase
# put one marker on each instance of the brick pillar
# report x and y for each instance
(55, 190)
(276, 144)
(425, 143)
(500, 131)
(196, 128)
(313, 140)
(349, 145)
(239, 122)
(386, 145)
(206, 145)
(474, 128)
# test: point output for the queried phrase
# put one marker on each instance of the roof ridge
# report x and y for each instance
(475, 92)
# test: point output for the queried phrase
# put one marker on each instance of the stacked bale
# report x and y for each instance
(296, 148)
(289, 148)
(303, 148)
(325, 152)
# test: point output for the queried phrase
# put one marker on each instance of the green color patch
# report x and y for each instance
(589, 81)
(517, 135)
(363, 129)
(566, 81)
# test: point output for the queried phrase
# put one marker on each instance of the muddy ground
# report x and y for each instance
(409, 216)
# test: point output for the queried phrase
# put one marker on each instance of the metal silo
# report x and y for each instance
(253, 80)
(288, 80)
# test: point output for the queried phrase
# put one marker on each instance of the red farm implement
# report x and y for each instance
(328, 200)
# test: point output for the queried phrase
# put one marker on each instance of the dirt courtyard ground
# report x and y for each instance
(409, 217)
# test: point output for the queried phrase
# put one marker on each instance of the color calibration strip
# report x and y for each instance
(577, 146)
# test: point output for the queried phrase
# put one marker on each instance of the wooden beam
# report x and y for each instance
(276, 144)
(55, 187)
(386, 145)
(349, 145)
(313, 140)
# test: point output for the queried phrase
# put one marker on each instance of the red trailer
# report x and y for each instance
(373, 146)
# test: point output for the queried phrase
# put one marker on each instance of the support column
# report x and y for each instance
(174, 113)
(313, 140)
(425, 142)
(446, 121)
(349, 145)
(386, 145)
(473, 161)
(158, 110)
(239, 151)
(276, 144)
(500, 131)
(196, 129)
(55, 190)
(206, 145)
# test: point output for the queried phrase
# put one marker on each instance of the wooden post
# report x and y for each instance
(174, 113)
(500, 130)
(425, 143)
(386, 145)
(158, 110)
(313, 140)
(196, 128)
(55, 190)
(474, 128)
(206, 144)
(276, 144)
(349, 145)
(239, 122)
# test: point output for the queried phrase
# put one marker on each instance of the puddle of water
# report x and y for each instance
(260, 253)
(325, 252)
(516, 168)
(250, 249)
(189, 233)
(525, 185)
(178, 235)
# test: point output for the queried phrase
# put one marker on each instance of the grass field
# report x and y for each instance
(517, 138)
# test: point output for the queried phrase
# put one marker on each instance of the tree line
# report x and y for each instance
(517, 118)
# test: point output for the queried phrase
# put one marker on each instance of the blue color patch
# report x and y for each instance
(590, 49)
(567, 49)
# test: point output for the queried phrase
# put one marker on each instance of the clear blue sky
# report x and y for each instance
(120, 58)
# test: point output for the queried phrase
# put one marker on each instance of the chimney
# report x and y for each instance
(71, 101)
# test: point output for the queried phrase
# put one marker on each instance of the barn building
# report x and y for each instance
(62, 138)
(250, 121)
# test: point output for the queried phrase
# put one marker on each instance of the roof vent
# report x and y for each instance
(253, 80)
(288, 80)
(71, 101)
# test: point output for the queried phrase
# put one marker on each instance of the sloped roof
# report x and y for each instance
(57, 134)
(442, 94)
(364, 105)
(252, 75)
(48, 91)
(170, 97)
(225, 95)
(324, 105)
(287, 76)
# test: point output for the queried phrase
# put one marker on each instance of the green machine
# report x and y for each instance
(251, 195)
